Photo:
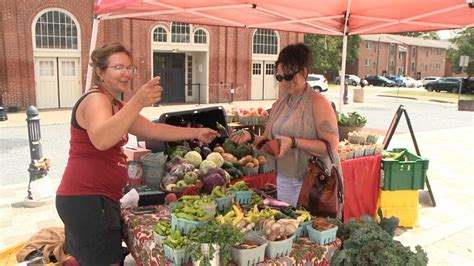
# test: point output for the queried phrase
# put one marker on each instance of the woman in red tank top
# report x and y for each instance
(88, 197)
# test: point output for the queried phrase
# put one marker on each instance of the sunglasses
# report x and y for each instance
(288, 77)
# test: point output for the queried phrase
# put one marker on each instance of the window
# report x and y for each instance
(367, 44)
(180, 32)
(265, 42)
(190, 76)
(269, 69)
(427, 52)
(400, 54)
(439, 51)
(413, 51)
(56, 30)
(412, 66)
(392, 49)
(392, 65)
(257, 69)
(160, 34)
(367, 62)
(200, 36)
(432, 51)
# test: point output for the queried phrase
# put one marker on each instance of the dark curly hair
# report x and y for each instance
(294, 58)
(100, 57)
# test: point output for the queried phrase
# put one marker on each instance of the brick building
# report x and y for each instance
(44, 46)
(400, 55)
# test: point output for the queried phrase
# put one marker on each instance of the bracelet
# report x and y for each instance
(293, 142)
(252, 137)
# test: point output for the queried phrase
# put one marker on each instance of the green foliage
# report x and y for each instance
(464, 45)
(352, 119)
(327, 52)
(224, 235)
(366, 243)
(432, 35)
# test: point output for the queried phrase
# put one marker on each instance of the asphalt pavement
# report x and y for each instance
(444, 136)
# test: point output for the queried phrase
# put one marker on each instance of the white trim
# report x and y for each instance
(266, 57)
(95, 27)
(167, 29)
(205, 31)
(46, 10)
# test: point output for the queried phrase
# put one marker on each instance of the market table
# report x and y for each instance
(138, 235)
(361, 185)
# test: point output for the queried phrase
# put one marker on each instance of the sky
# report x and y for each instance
(446, 34)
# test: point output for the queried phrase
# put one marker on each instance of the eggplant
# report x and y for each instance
(205, 151)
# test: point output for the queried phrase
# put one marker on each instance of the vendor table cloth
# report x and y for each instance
(138, 235)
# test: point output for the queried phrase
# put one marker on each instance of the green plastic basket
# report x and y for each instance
(302, 231)
(184, 225)
(177, 256)
(321, 238)
(279, 248)
(247, 257)
(401, 174)
(243, 197)
(224, 203)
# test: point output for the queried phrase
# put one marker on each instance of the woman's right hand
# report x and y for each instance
(240, 136)
(149, 93)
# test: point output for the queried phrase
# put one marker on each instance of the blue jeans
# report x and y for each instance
(288, 189)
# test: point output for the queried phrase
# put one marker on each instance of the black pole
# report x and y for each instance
(34, 139)
(199, 93)
(231, 92)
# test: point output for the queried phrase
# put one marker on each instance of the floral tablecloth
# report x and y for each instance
(138, 234)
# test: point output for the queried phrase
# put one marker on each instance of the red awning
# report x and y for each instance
(307, 16)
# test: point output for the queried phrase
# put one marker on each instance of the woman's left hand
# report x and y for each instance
(285, 145)
(207, 135)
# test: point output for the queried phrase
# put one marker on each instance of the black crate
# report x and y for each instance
(207, 117)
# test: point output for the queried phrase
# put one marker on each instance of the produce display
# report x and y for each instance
(252, 116)
(359, 144)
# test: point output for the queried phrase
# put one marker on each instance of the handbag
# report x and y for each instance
(322, 191)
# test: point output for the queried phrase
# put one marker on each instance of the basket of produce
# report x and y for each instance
(280, 235)
(153, 165)
(191, 212)
(174, 247)
(321, 231)
(250, 252)
(243, 194)
(161, 230)
(223, 198)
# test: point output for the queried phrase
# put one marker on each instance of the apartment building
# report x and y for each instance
(389, 54)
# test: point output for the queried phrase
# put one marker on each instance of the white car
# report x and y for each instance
(318, 82)
(429, 79)
(412, 83)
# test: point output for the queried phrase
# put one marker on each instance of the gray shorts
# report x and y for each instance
(92, 228)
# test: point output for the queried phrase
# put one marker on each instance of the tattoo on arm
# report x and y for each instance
(325, 126)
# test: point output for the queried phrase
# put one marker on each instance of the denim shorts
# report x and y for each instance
(92, 228)
(288, 189)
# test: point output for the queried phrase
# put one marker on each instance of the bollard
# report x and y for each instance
(34, 139)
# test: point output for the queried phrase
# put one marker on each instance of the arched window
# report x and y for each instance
(200, 36)
(160, 34)
(265, 42)
(56, 30)
(180, 32)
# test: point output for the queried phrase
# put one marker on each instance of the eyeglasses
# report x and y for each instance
(123, 68)
(288, 77)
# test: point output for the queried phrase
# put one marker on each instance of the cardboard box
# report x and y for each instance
(135, 154)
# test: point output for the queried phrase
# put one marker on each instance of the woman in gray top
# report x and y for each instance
(299, 119)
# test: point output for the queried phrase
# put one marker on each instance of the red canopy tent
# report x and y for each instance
(344, 17)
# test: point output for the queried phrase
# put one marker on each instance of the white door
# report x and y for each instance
(264, 85)
(46, 76)
(69, 82)
(257, 81)
(270, 86)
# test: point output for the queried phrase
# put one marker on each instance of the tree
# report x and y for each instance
(327, 52)
(432, 35)
(463, 45)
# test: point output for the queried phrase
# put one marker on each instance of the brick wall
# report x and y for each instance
(230, 50)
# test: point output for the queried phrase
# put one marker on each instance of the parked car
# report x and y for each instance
(380, 81)
(399, 81)
(350, 79)
(468, 85)
(429, 79)
(318, 82)
(449, 84)
(411, 82)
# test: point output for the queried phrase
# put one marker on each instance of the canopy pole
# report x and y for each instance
(95, 27)
(343, 71)
(342, 75)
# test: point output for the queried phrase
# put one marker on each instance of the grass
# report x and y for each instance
(436, 95)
